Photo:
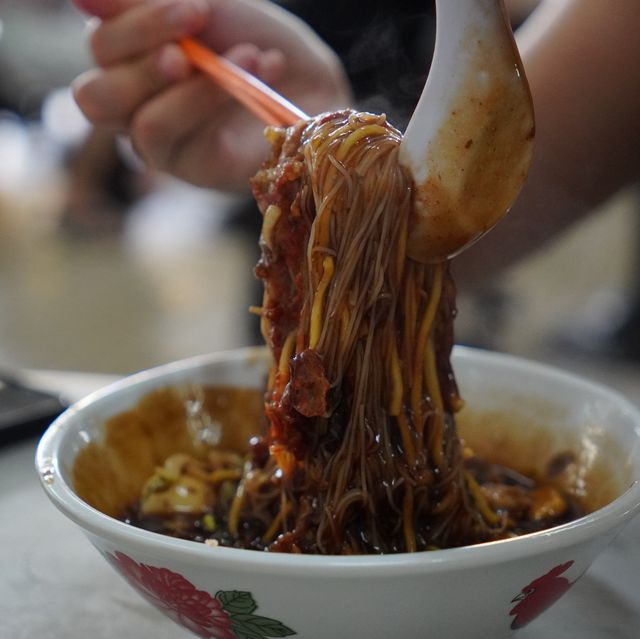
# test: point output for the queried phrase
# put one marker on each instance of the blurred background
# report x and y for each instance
(105, 267)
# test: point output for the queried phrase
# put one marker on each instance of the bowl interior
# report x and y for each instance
(516, 412)
(522, 414)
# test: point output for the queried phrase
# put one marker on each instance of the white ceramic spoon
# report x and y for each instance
(469, 142)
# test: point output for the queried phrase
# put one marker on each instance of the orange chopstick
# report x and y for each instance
(256, 96)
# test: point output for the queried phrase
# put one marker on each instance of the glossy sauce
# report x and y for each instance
(478, 160)
(110, 474)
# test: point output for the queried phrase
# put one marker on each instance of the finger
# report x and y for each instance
(192, 130)
(224, 157)
(170, 131)
(105, 9)
(267, 65)
(145, 27)
(110, 96)
(245, 55)
(271, 66)
(158, 127)
(184, 112)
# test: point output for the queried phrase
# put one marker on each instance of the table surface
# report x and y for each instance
(54, 585)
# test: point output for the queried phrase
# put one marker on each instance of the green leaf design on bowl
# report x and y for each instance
(240, 606)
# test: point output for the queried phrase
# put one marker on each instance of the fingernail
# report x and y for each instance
(172, 63)
(245, 55)
(187, 13)
(272, 65)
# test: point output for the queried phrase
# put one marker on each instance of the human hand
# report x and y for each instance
(179, 121)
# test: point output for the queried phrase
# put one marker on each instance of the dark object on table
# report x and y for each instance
(24, 411)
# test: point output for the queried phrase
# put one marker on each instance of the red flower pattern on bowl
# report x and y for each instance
(177, 597)
(541, 593)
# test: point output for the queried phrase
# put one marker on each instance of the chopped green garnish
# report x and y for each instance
(209, 523)
(156, 484)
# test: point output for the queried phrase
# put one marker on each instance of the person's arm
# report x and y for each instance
(581, 59)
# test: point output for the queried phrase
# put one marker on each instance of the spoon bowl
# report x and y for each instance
(470, 140)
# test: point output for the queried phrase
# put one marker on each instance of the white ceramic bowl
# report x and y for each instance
(478, 591)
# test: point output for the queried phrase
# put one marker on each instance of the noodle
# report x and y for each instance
(361, 453)
(363, 407)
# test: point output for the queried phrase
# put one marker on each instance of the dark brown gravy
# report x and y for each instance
(529, 445)
(110, 474)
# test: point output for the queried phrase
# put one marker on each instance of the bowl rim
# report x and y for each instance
(609, 518)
